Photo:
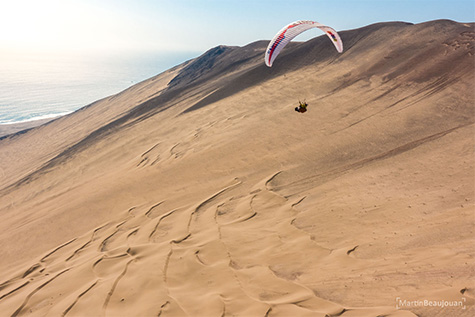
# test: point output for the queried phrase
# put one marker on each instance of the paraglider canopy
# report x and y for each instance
(289, 32)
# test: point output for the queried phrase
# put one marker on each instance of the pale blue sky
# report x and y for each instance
(194, 25)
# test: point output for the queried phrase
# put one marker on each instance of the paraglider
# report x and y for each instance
(289, 32)
(302, 107)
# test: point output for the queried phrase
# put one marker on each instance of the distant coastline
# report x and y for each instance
(39, 86)
(12, 128)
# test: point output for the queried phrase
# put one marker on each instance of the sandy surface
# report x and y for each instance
(6, 129)
(201, 192)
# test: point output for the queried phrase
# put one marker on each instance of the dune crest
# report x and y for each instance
(200, 192)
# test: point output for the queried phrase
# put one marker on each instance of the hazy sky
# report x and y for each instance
(194, 25)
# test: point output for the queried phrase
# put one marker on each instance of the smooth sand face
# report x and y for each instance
(7, 129)
(136, 206)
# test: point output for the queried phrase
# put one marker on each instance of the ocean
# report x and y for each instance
(39, 86)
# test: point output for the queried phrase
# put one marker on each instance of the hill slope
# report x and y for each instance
(201, 192)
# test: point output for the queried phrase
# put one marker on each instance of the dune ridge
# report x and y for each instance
(200, 192)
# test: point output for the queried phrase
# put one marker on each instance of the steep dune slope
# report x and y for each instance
(201, 192)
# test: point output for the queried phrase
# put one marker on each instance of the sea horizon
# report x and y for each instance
(37, 86)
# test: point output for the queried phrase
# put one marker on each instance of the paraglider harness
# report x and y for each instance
(302, 107)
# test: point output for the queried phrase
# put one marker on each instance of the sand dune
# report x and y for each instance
(200, 192)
